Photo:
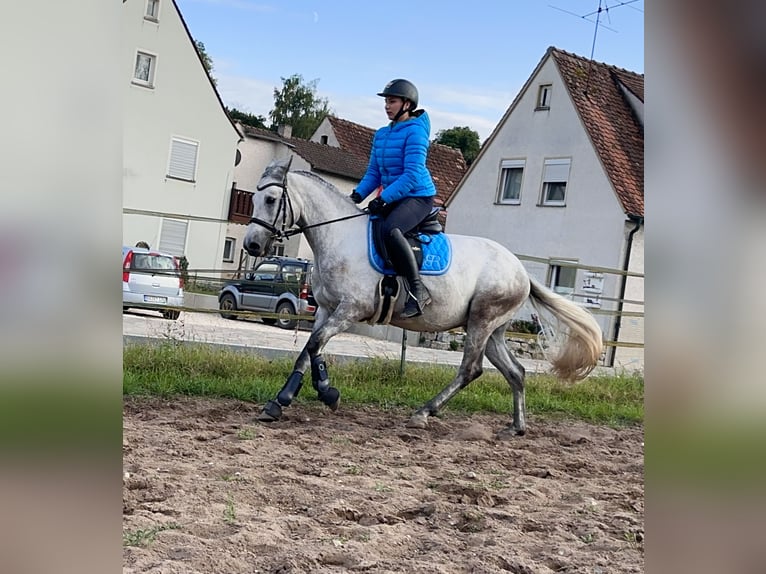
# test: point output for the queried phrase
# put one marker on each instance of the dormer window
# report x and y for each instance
(323, 140)
(544, 97)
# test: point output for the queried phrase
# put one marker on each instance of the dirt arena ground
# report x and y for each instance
(208, 490)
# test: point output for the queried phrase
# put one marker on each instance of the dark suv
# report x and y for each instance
(280, 285)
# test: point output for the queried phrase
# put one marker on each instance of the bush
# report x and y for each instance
(524, 326)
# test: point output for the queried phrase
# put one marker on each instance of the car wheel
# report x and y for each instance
(284, 310)
(228, 303)
(171, 314)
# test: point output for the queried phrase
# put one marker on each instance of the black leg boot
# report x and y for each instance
(404, 262)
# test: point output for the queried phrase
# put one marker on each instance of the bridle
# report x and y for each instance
(285, 204)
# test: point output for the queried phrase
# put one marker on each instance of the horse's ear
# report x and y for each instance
(276, 172)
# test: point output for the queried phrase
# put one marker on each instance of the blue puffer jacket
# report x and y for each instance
(398, 161)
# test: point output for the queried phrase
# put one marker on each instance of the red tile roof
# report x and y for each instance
(615, 131)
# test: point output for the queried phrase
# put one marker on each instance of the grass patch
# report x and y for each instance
(170, 369)
(145, 536)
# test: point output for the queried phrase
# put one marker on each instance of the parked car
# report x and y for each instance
(152, 280)
(280, 285)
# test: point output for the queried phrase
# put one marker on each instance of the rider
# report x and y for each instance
(397, 170)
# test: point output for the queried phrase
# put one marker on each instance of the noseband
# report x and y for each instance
(279, 234)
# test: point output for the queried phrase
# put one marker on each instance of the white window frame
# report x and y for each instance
(555, 171)
(230, 245)
(152, 12)
(179, 155)
(544, 93)
(555, 278)
(506, 166)
(152, 69)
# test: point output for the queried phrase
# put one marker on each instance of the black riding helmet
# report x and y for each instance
(402, 89)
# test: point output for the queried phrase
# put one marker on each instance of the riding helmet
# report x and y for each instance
(402, 89)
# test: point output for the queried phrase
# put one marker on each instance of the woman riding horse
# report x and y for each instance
(397, 168)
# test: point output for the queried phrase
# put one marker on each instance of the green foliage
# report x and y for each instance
(202, 370)
(207, 61)
(247, 119)
(143, 537)
(463, 138)
(297, 105)
(524, 326)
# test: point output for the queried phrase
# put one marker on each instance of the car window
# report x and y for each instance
(266, 272)
(151, 262)
(292, 272)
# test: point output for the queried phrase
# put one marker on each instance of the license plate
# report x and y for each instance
(155, 299)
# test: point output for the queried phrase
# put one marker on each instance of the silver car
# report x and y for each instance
(152, 280)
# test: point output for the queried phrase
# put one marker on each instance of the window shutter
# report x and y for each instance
(183, 159)
(173, 236)
(556, 170)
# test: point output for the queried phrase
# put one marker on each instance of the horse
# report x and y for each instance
(483, 288)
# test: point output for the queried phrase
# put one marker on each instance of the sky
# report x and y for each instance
(468, 59)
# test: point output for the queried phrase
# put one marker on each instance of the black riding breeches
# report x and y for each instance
(406, 214)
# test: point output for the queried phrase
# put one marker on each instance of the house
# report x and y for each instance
(179, 145)
(560, 183)
(338, 151)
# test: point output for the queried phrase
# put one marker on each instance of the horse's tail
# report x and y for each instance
(582, 347)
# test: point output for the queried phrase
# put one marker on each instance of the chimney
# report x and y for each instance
(285, 131)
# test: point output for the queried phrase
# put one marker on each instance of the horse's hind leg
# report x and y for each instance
(470, 369)
(514, 373)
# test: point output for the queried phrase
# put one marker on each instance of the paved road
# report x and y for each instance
(210, 328)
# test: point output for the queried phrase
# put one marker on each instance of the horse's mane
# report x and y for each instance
(321, 180)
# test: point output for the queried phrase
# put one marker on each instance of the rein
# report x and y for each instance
(284, 204)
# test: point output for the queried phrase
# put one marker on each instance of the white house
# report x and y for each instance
(179, 145)
(560, 180)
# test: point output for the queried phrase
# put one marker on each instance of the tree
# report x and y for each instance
(207, 61)
(463, 138)
(247, 119)
(298, 106)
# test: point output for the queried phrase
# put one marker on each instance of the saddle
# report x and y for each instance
(422, 234)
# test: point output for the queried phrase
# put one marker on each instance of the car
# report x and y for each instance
(278, 284)
(152, 280)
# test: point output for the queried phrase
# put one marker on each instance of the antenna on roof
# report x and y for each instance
(603, 6)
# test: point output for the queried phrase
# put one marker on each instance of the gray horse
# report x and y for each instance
(481, 291)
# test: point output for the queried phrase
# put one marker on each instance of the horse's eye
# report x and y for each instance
(271, 200)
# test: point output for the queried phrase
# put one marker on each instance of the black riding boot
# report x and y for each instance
(405, 264)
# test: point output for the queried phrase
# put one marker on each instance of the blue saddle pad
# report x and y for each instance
(437, 254)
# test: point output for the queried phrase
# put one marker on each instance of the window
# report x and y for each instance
(173, 236)
(323, 140)
(229, 245)
(544, 97)
(144, 72)
(183, 159)
(555, 177)
(152, 10)
(561, 276)
(511, 172)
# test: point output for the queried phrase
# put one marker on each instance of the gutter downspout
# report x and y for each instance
(639, 221)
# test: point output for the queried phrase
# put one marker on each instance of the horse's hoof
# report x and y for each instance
(331, 398)
(510, 432)
(271, 412)
(418, 421)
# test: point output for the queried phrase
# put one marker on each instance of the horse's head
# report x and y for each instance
(273, 210)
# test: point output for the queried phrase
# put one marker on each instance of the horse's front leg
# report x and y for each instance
(326, 326)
